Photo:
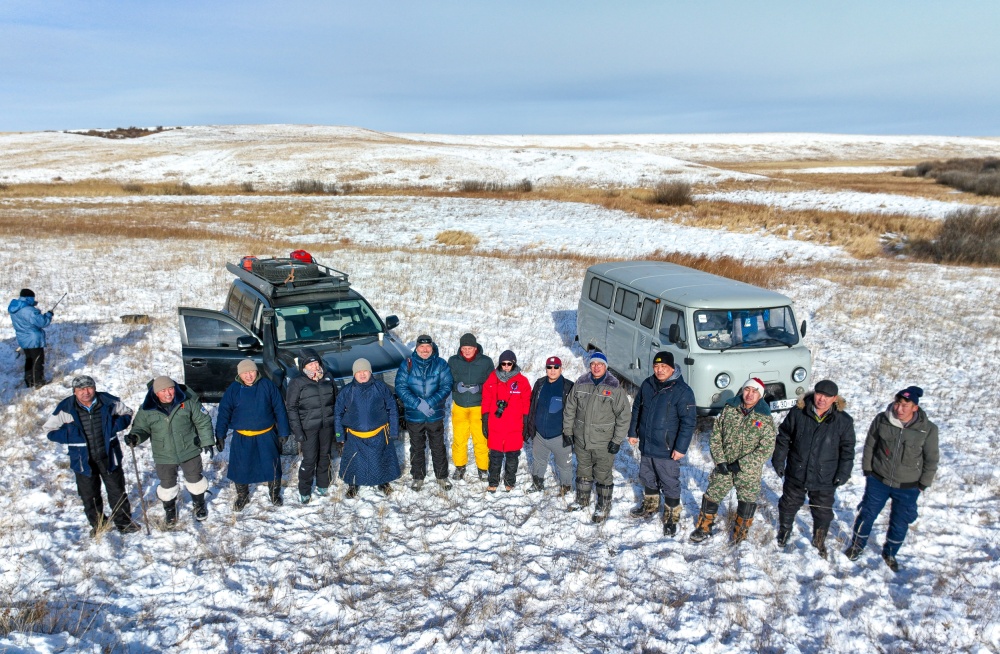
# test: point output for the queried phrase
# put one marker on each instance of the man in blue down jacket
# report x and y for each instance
(29, 327)
(663, 422)
(423, 383)
(814, 452)
(87, 423)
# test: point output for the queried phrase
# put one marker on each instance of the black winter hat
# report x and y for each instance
(664, 357)
(307, 355)
(827, 387)
(911, 393)
(424, 339)
(507, 355)
(27, 292)
(468, 340)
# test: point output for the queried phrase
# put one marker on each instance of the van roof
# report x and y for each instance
(688, 287)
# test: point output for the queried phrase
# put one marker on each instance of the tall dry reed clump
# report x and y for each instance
(674, 194)
(979, 176)
(968, 236)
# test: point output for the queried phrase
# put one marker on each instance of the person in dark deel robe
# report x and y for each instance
(252, 407)
(366, 421)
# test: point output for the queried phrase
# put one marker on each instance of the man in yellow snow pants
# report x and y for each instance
(469, 368)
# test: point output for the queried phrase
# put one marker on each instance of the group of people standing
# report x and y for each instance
(501, 412)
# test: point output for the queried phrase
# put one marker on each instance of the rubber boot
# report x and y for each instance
(242, 497)
(603, 506)
(744, 518)
(274, 492)
(198, 507)
(170, 512)
(706, 517)
(671, 515)
(784, 533)
(583, 487)
(459, 473)
(537, 484)
(648, 507)
(819, 540)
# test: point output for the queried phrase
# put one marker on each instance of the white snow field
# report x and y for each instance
(467, 571)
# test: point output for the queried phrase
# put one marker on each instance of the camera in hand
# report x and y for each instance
(501, 405)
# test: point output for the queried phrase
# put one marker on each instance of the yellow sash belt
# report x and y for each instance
(369, 434)
(247, 432)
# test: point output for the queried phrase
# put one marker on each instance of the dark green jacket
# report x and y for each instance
(469, 373)
(177, 435)
(901, 457)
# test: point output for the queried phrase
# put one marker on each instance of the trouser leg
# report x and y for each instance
(604, 464)
(540, 451)
(902, 513)
(494, 466)
(479, 447)
(793, 495)
(510, 467)
(439, 456)
(114, 484)
(418, 449)
(324, 460)
(872, 503)
(564, 461)
(34, 366)
(308, 466)
(89, 489)
(821, 508)
(661, 473)
(718, 487)
(461, 431)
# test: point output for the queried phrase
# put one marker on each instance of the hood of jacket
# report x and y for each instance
(151, 402)
(19, 303)
(304, 354)
(839, 404)
(609, 380)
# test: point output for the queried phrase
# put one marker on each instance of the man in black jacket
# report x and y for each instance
(543, 427)
(814, 452)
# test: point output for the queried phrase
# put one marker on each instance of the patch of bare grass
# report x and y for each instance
(457, 237)
(482, 186)
(966, 237)
(313, 187)
(672, 193)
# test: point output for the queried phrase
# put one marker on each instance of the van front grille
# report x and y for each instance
(774, 391)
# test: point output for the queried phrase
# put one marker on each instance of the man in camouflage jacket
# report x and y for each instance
(742, 440)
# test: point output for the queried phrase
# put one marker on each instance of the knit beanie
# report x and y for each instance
(361, 364)
(246, 365)
(27, 292)
(162, 383)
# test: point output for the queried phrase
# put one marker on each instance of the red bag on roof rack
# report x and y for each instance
(303, 256)
(247, 262)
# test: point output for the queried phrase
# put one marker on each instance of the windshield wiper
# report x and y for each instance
(748, 344)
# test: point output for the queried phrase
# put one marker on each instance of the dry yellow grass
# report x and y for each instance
(457, 237)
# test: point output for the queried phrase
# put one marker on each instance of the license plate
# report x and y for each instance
(783, 405)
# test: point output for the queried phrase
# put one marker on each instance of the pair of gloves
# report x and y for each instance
(462, 388)
(731, 468)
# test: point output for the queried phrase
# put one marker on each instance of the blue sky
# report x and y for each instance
(472, 67)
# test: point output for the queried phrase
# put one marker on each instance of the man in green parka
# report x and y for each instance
(173, 419)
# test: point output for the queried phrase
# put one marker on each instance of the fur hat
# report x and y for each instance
(361, 364)
(162, 383)
(246, 365)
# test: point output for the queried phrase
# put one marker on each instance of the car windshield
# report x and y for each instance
(721, 329)
(325, 321)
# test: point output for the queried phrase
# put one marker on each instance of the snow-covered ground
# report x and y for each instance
(468, 571)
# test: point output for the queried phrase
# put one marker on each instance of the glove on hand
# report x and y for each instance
(340, 448)
(837, 481)
(49, 313)
(525, 432)
(567, 440)
(486, 424)
(734, 467)
(463, 388)
(281, 444)
(781, 473)
(131, 440)
(921, 487)
(722, 469)
(613, 447)
(209, 450)
(425, 408)
(220, 443)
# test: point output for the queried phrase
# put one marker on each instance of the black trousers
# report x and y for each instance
(89, 488)
(423, 434)
(793, 496)
(34, 366)
(507, 460)
(316, 461)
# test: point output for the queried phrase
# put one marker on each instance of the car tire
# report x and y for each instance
(277, 271)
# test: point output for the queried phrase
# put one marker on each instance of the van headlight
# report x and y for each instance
(723, 380)
(799, 375)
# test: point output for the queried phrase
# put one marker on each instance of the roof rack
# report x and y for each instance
(329, 279)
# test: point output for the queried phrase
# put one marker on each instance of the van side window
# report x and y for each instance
(601, 292)
(626, 303)
(245, 311)
(672, 317)
(233, 302)
(648, 314)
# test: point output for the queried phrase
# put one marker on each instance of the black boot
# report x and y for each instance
(242, 497)
(274, 491)
(484, 475)
(784, 533)
(170, 512)
(352, 492)
(603, 506)
(537, 484)
(671, 515)
(198, 507)
(819, 540)
(459, 473)
(583, 487)
(744, 518)
(706, 518)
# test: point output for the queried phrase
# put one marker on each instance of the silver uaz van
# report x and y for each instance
(720, 331)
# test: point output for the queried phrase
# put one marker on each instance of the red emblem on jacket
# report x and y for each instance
(606, 393)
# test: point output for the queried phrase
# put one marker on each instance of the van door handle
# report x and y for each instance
(611, 321)
(198, 363)
(655, 344)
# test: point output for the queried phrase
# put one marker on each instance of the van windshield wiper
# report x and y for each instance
(749, 344)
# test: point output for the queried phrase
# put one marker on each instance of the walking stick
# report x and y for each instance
(138, 484)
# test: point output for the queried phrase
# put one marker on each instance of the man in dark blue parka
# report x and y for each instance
(663, 422)
(423, 383)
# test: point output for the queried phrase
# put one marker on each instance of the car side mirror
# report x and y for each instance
(674, 336)
(246, 343)
(802, 328)
(391, 322)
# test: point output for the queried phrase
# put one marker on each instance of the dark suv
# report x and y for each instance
(275, 309)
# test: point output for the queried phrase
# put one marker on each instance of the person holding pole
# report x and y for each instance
(87, 423)
(29, 327)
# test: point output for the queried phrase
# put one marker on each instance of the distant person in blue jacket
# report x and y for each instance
(29, 326)
(253, 408)
(423, 383)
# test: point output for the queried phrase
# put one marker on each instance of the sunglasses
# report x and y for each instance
(506, 364)
(553, 367)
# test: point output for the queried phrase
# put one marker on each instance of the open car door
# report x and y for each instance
(213, 344)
